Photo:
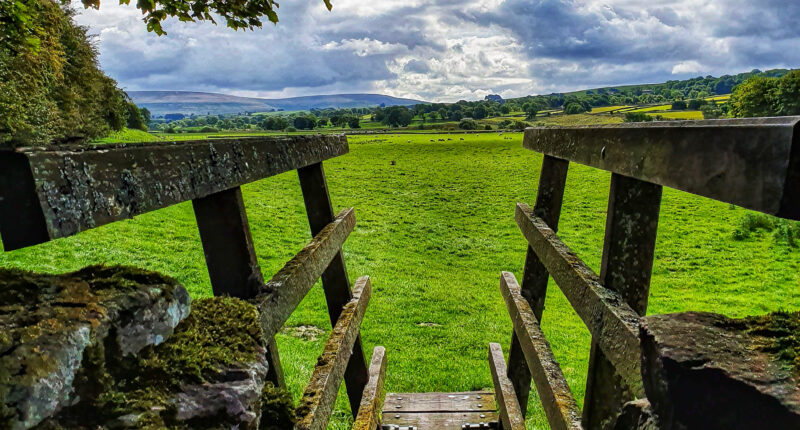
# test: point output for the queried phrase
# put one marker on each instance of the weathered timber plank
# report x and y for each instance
(334, 279)
(439, 420)
(369, 413)
(631, 226)
(510, 412)
(753, 162)
(609, 319)
(559, 405)
(549, 196)
(47, 193)
(469, 401)
(231, 258)
(316, 405)
(281, 295)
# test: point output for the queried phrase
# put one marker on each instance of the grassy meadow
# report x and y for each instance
(434, 231)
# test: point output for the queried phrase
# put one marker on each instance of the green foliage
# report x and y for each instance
(637, 117)
(783, 231)
(135, 119)
(679, 105)
(574, 108)
(19, 26)
(711, 111)
(395, 116)
(468, 124)
(208, 129)
(763, 96)
(56, 92)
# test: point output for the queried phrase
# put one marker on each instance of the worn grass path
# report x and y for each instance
(434, 231)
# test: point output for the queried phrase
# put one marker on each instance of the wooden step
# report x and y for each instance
(432, 411)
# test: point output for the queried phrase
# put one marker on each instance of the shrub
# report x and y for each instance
(637, 117)
(54, 92)
(679, 105)
(487, 127)
(752, 223)
(468, 124)
(290, 129)
(208, 129)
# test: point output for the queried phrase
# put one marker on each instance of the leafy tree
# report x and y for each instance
(54, 91)
(711, 111)
(678, 105)
(695, 104)
(20, 28)
(468, 124)
(304, 122)
(397, 116)
(146, 115)
(574, 108)
(637, 117)
(353, 122)
(755, 97)
(135, 119)
(479, 112)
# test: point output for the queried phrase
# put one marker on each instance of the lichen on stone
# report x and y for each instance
(778, 334)
(209, 374)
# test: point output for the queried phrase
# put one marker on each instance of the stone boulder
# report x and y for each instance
(707, 371)
(48, 324)
(117, 348)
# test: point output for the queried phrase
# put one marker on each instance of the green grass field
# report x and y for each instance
(434, 231)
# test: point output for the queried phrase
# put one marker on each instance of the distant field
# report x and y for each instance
(434, 231)
(608, 109)
(688, 114)
(653, 108)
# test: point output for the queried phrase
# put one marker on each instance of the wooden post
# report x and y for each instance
(334, 280)
(552, 179)
(628, 250)
(230, 256)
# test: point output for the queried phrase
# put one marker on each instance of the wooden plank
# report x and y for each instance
(316, 405)
(507, 405)
(609, 319)
(752, 162)
(227, 244)
(334, 279)
(559, 404)
(281, 295)
(369, 413)
(47, 193)
(440, 420)
(469, 401)
(231, 258)
(631, 226)
(552, 180)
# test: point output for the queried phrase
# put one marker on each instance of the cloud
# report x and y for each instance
(685, 67)
(447, 50)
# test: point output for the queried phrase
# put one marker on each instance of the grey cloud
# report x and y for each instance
(417, 66)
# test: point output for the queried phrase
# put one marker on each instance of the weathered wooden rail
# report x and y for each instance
(754, 163)
(49, 193)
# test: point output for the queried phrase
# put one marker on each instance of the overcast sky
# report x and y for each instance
(448, 50)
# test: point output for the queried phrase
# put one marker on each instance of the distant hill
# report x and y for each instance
(188, 102)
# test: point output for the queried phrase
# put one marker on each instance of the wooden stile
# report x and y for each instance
(317, 403)
(552, 181)
(610, 320)
(47, 193)
(631, 225)
(510, 413)
(280, 296)
(369, 413)
(334, 278)
(560, 406)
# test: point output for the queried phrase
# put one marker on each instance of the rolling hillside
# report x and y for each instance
(187, 102)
